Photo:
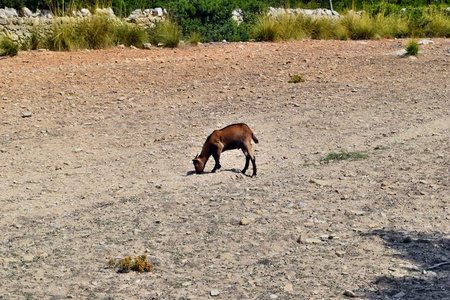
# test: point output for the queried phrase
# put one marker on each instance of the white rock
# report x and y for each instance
(425, 42)
(214, 293)
(158, 12)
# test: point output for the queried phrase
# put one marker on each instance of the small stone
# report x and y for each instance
(28, 258)
(313, 241)
(186, 283)
(288, 288)
(147, 46)
(399, 295)
(301, 239)
(27, 114)
(349, 293)
(214, 293)
(425, 42)
(273, 296)
(340, 253)
(319, 182)
(244, 221)
(407, 239)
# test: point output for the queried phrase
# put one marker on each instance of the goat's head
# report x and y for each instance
(199, 164)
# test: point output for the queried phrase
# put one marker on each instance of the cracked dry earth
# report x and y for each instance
(96, 152)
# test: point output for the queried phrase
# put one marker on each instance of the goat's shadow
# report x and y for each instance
(431, 280)
(233, 170)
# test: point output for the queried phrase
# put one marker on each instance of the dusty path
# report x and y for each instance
(95, 163)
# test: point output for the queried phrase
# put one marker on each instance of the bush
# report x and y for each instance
(194, 38)
(210, 18)
(412, 47)
(127, 264)
(95, 32)
(265, 29)
(34, 42)
(360, 27)
(63, 36)
(344, 155)
(165, 33)
(439, 25)
(290, 28)
(8, 47)
(129, 35)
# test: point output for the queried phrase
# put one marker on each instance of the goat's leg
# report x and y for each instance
(254, 166)
(252, 157)
(247, 159)
(216, 155)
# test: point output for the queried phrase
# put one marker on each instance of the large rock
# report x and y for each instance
(26, 12)
(11, 12)
(108, 11)
(158, 12)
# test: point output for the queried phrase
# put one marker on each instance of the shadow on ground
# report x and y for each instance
(429, 275)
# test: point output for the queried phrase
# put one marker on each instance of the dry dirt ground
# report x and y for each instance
(96, 154)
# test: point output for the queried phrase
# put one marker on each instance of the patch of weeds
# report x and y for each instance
(264, 261)
(265, 29)
(344, 155)
(165, 34)
(8, 47)
(412, 47)
(127, 264)
(129, 35)
(194, 38)
(296, 79)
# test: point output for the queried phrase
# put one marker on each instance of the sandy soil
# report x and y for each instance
(96, 156)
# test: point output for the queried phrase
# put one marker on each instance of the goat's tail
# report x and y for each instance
(254, 138)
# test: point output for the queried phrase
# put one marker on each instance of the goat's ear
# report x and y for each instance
(196, 156)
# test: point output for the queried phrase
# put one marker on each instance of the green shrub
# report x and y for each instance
(439, 25)
(296, 79)
(34, 42)
(344, 155)
(63, 36)
(359, 27)
(412, 47)
(8, 47)
(265, 29)
(194, 38)
(138, 264)
(95, 32)
(210, 18)
(323, 29)
(166, 34)
(341, 32)
(288, 28)
(129, 35)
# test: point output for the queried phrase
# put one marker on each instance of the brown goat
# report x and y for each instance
(235, 136)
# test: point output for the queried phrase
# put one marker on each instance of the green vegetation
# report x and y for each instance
(97, 32)
(344, 155)
(127, 264)
(8, 47)
(166, 34)
(412, 48)
(194, 38)
(296, 79)
(210, 20)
